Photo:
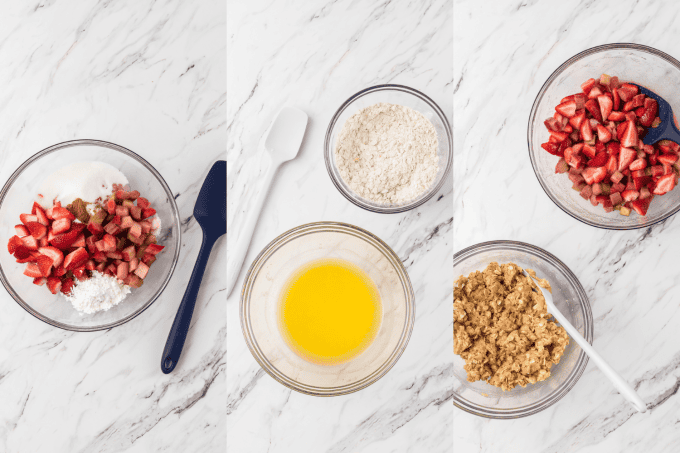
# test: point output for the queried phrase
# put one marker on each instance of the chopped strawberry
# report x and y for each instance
(586, 134)
(79, 241)
(143, 202)
(39, 281)
(627, 92)
(148, 213)
(30, 242)
(62, 213)
(626, 157)
(600, 160)
(591, 175)
(99, 256)
(45, 264)
(38, 230)
(603, 133)
(32, 270)
(641, 206)
(21, 230)
(67, 286)
(54, 284)
(13, 243)
(630, 136)
(593, 107)
(75, 258)
(606, 105)
(111, 206)
(26, 218)
(567, 109)
(588, 85)
(638, 164)
(54, 253)
(665, 184)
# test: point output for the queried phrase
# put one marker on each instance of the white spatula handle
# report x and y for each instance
(621, 385)
(243, 242)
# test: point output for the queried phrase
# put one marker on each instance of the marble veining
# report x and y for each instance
(149, 76)
(314, 55)
(502, 56)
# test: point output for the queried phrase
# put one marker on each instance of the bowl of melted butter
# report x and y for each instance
(327, 309)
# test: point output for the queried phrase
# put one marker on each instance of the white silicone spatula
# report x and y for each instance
(621, 385)
(282, 144)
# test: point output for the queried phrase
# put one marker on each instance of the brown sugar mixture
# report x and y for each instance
(501, 328)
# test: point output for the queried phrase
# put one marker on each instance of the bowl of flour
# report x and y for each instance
(388, 148)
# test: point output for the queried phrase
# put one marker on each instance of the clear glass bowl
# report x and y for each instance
(260, 299)
(485, 400)
(393, 94)
(630, 63)
(17, 197)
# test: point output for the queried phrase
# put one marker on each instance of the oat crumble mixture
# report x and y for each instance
(502, 329)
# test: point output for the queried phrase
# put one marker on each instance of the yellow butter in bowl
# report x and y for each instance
(329, 311)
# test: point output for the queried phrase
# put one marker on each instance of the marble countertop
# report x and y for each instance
(502, 56)
(314, 56)
(151, 77)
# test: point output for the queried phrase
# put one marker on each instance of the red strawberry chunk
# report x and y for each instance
(665, 184)
(591, 175)
(567, 109)
(111, 206)
(95, 228)
(62, 213)
(142, 202)
(638, 164)
(38, 230)
(14, 242)
(30, 242)
(606, 106)
(45, 265)
(54, 284)
(75, 259)
(21, 230)
(32, 270)
(79, 241)
(67, 286)
(626, 157)
(641, 206)
(39, 281)
(61, 225)
(148, 213)
(54, 253)
(155, 248)
(26, 218)
(599, 161)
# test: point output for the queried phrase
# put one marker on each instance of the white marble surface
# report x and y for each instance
(314, 55)
(502, 56)
(149, 76)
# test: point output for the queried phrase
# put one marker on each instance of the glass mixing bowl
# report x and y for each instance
(392, 94)
(643, 65)
(485, 400)
(271, 270)
(17, 197)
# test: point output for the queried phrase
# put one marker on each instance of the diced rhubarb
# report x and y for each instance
(134, 262)
(129, 253)
(149, 258)
(122, 271)
(154, 248)
(142, 270)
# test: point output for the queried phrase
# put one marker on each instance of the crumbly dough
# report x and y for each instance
(501, 327)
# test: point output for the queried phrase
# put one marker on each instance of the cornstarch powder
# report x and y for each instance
(387, 153)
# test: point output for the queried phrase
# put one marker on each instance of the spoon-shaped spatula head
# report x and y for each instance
(666, 130)
(211, 214)
(621, 385)
(282, 144)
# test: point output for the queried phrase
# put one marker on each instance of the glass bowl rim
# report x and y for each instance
(173, 206)
(330, 161)
(579, 368)
(539, 97)
(291, 235)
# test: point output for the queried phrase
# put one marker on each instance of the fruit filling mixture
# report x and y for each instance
(597, 134)
(86, 226)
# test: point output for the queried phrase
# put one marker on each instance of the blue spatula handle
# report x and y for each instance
(180, 326)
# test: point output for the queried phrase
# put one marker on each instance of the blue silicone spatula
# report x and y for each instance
(666, 130)
(211, 214)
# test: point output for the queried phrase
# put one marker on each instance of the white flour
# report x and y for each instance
(101, 292)
(387, 153)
